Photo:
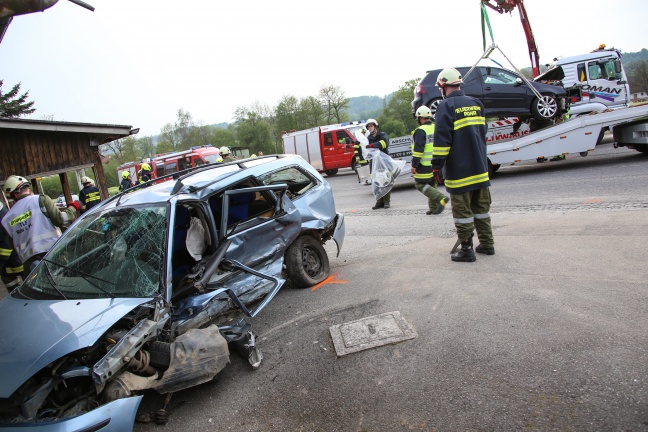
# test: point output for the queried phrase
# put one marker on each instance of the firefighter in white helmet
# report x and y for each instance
(378, 140)
(460, 146)
(89, 196)
(422, 162)
(34, 221)
(226, 154)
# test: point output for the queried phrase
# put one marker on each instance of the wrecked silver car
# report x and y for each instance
(152, 288)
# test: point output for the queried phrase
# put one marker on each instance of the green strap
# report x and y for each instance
(490, 30)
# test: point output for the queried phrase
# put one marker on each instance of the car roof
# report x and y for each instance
(198, 183)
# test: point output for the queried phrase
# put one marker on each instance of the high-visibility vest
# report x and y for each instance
(424, 170)
(31, 230)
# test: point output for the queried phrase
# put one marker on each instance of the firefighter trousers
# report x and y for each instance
(471, 211)
(431, 192)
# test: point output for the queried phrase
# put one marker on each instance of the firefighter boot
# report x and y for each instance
(466, 253)
(386, 204)
(379, 204)
(485, 250)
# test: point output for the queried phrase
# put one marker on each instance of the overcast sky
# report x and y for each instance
(136, 62)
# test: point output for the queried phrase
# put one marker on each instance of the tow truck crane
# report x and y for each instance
(507, 6)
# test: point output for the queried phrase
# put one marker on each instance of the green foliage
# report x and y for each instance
(628, 58)
(394, 128)
(399, 109)
(253, 131)
(12, 105)
(224, 137)
(335, 104)
(638, 76)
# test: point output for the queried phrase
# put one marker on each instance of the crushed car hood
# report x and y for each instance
(37, 332)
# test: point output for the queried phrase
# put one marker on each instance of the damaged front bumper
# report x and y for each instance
(116, 416)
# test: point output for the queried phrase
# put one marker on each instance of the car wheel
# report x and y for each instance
(433, 105)
(545, 108)
(331, 172)
(307, 262)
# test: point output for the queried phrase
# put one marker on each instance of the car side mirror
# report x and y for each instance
(518, 81)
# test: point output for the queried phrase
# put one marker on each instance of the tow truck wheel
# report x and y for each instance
(545, 108)
(331, 172)
(307, 263)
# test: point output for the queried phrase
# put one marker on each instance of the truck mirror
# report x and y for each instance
(617, 66)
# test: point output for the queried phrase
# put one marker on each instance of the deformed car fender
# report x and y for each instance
(116, 416)
(56, 328)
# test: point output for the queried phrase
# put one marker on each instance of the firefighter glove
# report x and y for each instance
(369, 146)
(437, 176)
(76, 205)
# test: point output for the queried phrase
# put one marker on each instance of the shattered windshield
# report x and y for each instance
(116, 253)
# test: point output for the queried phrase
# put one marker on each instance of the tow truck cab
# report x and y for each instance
(595, 81)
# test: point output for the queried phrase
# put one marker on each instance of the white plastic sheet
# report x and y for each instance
(384, 171)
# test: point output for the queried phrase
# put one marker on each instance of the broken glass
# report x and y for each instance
(116, 253)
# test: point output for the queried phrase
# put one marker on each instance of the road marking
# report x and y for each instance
(330, 280)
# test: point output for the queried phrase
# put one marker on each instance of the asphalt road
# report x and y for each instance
(548, 334)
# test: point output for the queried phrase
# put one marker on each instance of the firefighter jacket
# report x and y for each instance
(89, 196)
(357, 151)
(33, 224)
(125, 185)
(379, 141)
(422, 152)
(460, 143)
(10, 264)
(144, 176)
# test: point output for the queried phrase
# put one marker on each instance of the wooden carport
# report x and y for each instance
(39, 148)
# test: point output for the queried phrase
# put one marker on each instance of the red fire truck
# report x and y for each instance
(168, 163)
(326, 148)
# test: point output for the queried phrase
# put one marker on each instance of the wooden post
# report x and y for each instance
(100, 176)
(66, 188)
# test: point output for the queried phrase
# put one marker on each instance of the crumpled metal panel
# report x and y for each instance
(317, 207)
(196, 357)
(35, 333)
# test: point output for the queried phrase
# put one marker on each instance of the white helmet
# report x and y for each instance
(86, 179)
(224, 150)
(374, 121)
(424, 112)
(14, 184)
(449, 76)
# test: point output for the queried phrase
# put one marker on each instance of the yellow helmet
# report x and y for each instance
(125, 174)
(14, 184)
(252, 155)
(424, 112)
(146, 167)
(449, 76)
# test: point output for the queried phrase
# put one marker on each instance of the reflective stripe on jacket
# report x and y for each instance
(32, 232)
(422, 149)
(379, 141)
(357, 151)
(89, 196)
(460, 143)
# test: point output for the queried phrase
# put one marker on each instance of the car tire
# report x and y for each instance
(545, 108)
(433, 105)
(307, 263)
(331, 172)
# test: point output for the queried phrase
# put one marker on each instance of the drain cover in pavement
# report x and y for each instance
(370, 332)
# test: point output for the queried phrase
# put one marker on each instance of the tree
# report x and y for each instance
(252, 131)
(223, 137)
(176, 137)
(200, 134)
(12, 105)
(287, 113)
(145, 147)
(638, 76)
(399, 108)
(334, 102)
(310, 112)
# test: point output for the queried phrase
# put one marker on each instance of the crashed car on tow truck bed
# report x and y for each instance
(140, 292)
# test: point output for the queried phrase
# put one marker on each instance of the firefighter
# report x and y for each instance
(11, 268)
(378, 140)
(219, 160)
(89, 195)
(126, 182)
(460, 146)
(422, 162)
(225, 154)
(145, 173)
(34, 221)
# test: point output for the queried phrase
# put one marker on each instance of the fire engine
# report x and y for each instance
(168, 163)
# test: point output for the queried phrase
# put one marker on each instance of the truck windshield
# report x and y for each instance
(116, 253)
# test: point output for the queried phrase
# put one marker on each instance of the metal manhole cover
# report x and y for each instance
(370, 332)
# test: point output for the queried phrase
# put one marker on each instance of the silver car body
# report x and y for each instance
(117, 305)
